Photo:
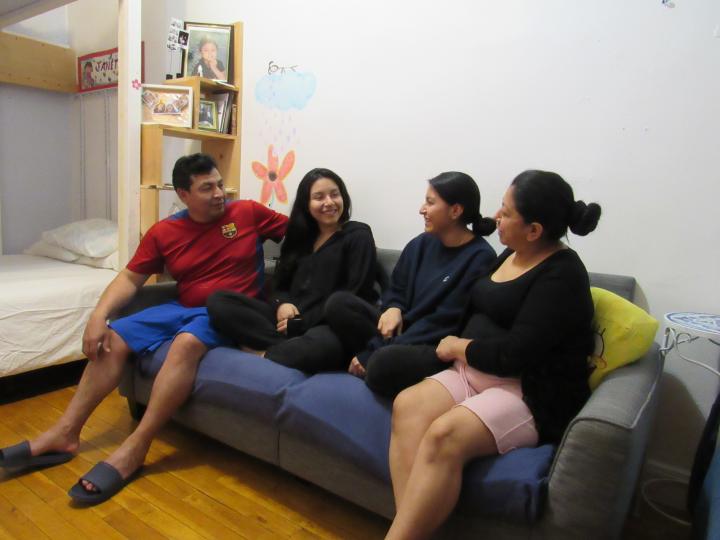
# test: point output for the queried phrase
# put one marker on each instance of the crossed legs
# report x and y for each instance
(431, 442)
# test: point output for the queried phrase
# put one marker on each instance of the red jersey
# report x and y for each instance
(206, 257)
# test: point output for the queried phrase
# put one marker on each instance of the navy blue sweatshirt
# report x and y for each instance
(430, 285)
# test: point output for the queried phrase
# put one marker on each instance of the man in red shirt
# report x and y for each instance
(212, 245)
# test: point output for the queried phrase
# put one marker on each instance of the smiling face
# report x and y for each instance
(326, 203)
(205, 200)
(439, 216)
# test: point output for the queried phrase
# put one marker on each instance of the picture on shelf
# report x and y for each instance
(170, 105)
(208, 117)
(208, 52)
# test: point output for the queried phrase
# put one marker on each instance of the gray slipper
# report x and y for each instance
(107, 482)
(19, 456)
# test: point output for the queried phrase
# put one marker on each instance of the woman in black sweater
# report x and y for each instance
(519, 370)
(323, 252)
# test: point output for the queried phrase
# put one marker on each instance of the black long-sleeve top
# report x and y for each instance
(346, 261)
(537, 327)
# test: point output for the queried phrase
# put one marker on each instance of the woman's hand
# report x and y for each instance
(284, 312)
(452, 348)
(356, 368)
(390, 323)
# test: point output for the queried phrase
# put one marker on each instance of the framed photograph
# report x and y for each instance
(207, 115)
(99, 70)
(169, 105)
(208, 52)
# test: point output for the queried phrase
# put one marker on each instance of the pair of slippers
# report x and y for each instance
(104, 477)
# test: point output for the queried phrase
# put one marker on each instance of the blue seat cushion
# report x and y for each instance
(338, 412)
(512, 486)
(235, 380)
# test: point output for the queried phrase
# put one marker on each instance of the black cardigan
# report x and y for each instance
(537, 327)
(346, 261)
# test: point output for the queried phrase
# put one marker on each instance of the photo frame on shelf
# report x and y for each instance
(168, 105)
(209, 51)
(207, 115)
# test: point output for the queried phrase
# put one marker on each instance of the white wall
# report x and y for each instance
(619, 97)
(35, 163)
(37, 130)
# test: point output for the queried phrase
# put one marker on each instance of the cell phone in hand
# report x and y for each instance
(295, 327)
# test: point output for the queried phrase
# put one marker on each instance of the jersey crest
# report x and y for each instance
(229, 230)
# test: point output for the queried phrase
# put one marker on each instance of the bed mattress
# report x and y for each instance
(44, 306)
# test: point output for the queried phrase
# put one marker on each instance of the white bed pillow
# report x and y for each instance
(43, 249)
(90, 237)
(111, 261)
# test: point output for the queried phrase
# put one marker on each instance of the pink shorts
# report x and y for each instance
(497, 401)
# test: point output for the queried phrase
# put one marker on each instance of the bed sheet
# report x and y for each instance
(44, 306)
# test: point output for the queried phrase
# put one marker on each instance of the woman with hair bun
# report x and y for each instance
(519, 371)
(427, 293)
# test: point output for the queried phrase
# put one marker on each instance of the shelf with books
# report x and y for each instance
(225, 96)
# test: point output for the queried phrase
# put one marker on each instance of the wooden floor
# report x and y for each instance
(191, 488)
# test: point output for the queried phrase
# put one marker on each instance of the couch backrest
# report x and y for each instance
(387, 258)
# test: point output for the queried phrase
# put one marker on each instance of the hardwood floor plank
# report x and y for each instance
(127, 524)
(18, 524)
(41, 515)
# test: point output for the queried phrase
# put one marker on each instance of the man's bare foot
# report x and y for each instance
(127, 459)
(55, 439)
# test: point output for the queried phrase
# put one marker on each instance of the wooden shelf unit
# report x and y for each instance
(224, 147)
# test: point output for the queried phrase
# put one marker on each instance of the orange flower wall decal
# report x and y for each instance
(272, 176)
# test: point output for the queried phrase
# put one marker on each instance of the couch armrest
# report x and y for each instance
(150, 295)
(593, 477)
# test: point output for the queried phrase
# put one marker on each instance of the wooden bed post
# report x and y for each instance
(129, 25)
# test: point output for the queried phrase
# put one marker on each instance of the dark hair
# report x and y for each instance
(545, 198)
(302, 230)
(188, 166)
(459, 188)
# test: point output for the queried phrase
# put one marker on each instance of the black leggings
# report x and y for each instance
(252, 323)
(390, 369)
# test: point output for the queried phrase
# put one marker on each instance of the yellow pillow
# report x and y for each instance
(623, 333)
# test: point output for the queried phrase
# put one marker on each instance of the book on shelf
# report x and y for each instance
(233, 120)
(222, 100)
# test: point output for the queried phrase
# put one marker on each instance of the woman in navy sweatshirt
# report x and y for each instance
(428, 290)
(518, 370)
(323, 252)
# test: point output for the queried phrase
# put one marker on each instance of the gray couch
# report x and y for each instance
(585, 489)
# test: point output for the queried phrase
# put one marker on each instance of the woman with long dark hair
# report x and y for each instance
(428, 291)
(519, 371)
(323, 252)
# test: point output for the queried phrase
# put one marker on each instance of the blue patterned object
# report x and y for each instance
(703, 322)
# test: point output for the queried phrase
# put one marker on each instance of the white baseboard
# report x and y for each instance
(671, 498)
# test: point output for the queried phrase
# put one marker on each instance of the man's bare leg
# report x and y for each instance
(100, 377)
(172, 386)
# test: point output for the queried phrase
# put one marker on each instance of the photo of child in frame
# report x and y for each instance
(208, 51)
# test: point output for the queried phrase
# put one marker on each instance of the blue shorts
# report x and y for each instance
(146, 330)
